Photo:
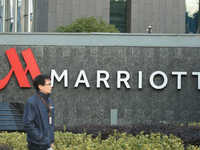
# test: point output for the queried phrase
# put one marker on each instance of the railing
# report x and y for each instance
(11, 115)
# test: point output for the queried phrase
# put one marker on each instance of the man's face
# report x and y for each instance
(46, 88)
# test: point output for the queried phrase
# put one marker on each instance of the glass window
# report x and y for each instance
(11, 15)
(1, 15)
(118, 14)
(11, 116)
(20, 10)
(18, 17)
(26, 15)
(191, 16)
(31, 14)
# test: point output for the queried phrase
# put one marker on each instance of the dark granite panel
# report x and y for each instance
(81, 105)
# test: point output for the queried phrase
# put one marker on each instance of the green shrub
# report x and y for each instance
(16, 139)
(119, 141)
(188, 133)
(88, 25)
(6, 147)
(194, 124)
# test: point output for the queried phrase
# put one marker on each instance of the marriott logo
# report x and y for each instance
(17, 69)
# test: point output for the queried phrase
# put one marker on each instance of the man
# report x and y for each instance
(38, 116)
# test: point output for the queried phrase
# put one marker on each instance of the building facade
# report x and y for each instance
(164, 16)
(122, 79)
(102, 78)
(129, 16)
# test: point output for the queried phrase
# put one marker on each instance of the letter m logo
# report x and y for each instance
(17, 68)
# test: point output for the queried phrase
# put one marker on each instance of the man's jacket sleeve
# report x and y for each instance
(29, 123)
(53, 141)
(52, 129)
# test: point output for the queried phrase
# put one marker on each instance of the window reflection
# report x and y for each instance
(191, 16)
(31, 14)
(18, 17)
(1, 15)
(19, 10)
(11, 15)
(118, 14)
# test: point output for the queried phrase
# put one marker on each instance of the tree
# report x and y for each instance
(87, 25)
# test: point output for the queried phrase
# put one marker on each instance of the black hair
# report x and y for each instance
(40, 80)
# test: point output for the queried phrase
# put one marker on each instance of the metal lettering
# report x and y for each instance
(151, 79)
(179, 74)
(85, 80)
(125, 80)
(197, 74)
(104, 80)
(140, 80)
(63, 75)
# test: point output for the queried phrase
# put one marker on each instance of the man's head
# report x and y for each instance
(42, 83)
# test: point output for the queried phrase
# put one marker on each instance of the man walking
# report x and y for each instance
(38, 118)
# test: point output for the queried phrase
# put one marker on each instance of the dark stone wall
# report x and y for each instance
(75, 106)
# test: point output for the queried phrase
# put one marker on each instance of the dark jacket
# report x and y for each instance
(36, 121)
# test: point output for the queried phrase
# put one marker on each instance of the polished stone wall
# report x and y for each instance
(81, 105)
